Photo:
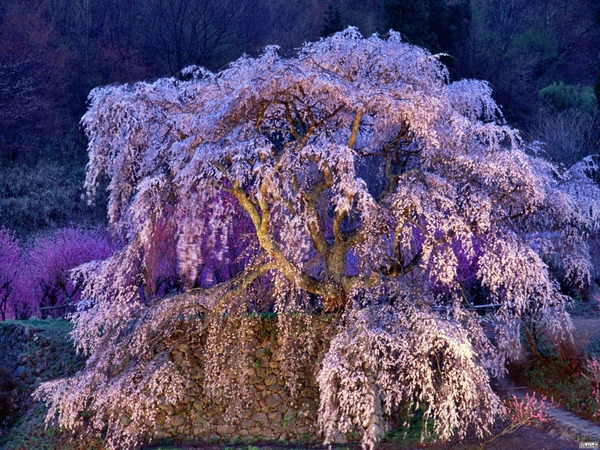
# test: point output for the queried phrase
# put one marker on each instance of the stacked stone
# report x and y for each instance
(28, 353)
(13, 338)
(272, 413)
(31, 352)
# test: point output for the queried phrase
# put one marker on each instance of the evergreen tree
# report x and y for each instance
(435, 24)
(597, 85)
(332, 22)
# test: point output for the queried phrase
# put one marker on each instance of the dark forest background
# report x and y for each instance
(542, 58)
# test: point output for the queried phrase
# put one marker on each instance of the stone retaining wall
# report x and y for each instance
(32, 352)
(272, 412)
(38, 353)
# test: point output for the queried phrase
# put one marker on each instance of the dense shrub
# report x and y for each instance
(561, 97)
(7, 385)
(45, 196)
(10, 266)
(45, 281)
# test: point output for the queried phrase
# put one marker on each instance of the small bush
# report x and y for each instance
(564, 383)
(521, 412)
(560, 97)
(568, 136)
(591, 372)
(7, 385)
(10, 266)
(46, 282)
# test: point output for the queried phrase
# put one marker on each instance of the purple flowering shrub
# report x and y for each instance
(228, 252)
(49, 261)
(214, 256)
(10, 267)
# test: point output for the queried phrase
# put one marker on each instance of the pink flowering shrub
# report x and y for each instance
(592, 374)
(521, 412)
(10, 266)
(525, 411)
(45, 280)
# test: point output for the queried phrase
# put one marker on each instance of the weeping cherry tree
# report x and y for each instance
(367, 184)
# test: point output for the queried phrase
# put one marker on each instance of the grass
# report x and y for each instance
(48, 354)
(563, 385)
(561, 379)
(29, 432)
(581, 308)
(411, 434)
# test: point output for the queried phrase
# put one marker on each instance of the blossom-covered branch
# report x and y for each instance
(355, 177)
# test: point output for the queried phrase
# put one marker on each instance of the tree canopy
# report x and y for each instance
(438, 25)
(365, 182)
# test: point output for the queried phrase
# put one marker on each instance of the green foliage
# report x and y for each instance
(435, 24)
(563, 384)
(520, 46)
(45, 196)
(30, 432)
(597, 84)
(593, 349)
(51, 348)
(49, 353)
(583, 308)
(332, 22)
(411, 430)
(560, 97)
(7, 384)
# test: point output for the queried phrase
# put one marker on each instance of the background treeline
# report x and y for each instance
(542, 58)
